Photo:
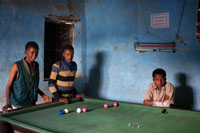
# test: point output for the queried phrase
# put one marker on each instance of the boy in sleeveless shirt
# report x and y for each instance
(22, 87)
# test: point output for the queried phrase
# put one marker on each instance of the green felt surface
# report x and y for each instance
(98, 119)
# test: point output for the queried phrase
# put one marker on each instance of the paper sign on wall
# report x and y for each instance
(160, 20)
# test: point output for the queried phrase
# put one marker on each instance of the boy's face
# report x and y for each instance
(159, 80)
(31, 54)
(68, 54)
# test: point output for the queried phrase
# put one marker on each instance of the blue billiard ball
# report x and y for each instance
(60, 112)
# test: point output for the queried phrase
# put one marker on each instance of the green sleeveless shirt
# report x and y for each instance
(24, 89)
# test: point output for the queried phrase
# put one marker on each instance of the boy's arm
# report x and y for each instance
(13, 74)
(169, 94)
(44, 96)
(52, 84)
(148, 102)
(52, 81)
(80, 95)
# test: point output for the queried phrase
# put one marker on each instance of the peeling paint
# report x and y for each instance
(70, 7)
(22, 3)
(60, 7)
(31, 5)
(115, 48)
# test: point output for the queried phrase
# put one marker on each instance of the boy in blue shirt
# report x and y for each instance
(62, 77)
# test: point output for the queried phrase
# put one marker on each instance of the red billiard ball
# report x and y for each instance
(84, 110)
(115, 104)
(105, 106)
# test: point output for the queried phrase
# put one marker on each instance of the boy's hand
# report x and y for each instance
(6, 107)
(148, 102)
(161, 104)
(80, 95)
(64, 100)
(46, 99)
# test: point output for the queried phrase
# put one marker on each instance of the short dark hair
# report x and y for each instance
(6, 127)
(159, 71)
(31, 44)
(68, 47)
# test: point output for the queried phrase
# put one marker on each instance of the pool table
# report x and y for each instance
(97, 119)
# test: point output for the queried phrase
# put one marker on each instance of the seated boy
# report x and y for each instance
(160, 93)
(22, 87)
(61, 82)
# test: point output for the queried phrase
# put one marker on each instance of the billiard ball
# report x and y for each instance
(84, 110)
(129, 124)
(66, 111)
(115, 104)
(60, 112)
(78, 110)
(105, 106)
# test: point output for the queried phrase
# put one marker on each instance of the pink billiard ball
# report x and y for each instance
(84, 110)
(115, 104)
(105, 106)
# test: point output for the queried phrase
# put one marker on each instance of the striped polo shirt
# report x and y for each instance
(61, 81)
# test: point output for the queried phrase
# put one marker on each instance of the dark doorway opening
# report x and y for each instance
(59, 31)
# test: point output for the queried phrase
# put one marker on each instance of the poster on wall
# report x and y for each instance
(160, 20)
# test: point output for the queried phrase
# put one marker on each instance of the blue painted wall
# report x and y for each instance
(116, 71)
(104, 50)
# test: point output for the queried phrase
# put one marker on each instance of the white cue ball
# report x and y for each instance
(78, 110)
(66, 111)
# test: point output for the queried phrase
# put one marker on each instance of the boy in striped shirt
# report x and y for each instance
(62, 77)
